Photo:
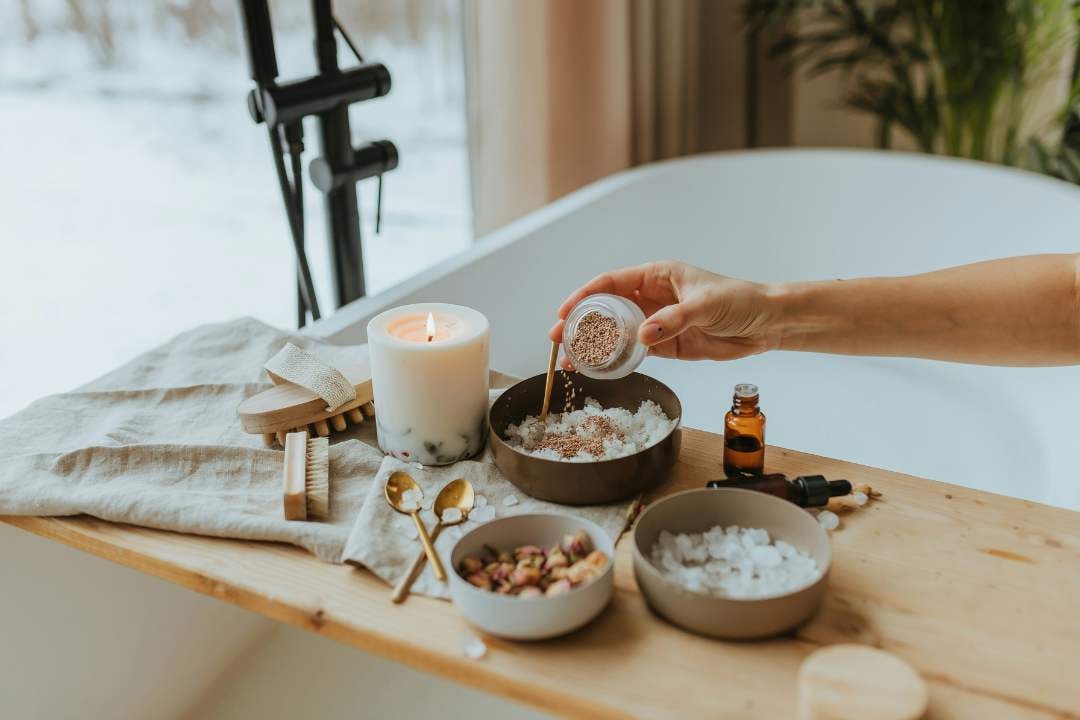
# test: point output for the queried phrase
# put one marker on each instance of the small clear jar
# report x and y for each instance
(628, 352)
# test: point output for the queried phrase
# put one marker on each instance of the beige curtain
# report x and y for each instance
(564, 92)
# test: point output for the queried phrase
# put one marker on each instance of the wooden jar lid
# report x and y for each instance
(859, 682)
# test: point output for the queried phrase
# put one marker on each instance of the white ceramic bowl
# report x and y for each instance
(531, 618)
(695, 511)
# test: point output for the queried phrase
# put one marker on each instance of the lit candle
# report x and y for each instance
(429, 373)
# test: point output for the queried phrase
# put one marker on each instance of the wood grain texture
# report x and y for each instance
(978, 592)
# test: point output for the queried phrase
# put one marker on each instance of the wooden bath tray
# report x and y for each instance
(979, 592)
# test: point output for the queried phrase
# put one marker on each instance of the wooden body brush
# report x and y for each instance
(306, 477)
(308, 395)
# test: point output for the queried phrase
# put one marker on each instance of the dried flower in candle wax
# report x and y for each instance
(530, 570)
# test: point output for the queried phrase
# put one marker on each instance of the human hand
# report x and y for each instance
(691, 314)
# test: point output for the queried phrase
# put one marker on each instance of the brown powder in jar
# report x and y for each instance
(596, 337)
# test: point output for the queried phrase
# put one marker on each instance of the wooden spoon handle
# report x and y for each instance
(432, 556)
(401, 590)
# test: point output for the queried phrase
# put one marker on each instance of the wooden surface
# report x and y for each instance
(980, 593)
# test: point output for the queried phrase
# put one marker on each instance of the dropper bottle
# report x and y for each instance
(744, 433)
(805, 490)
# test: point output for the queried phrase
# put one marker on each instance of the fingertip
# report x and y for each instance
(556, 331)
(650, 333)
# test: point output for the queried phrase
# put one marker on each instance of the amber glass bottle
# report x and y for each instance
(744, 433)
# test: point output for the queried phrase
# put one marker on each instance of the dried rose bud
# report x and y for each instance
(556, 559)
(504, 588)
(559, 587)
(558, 573)
(596, 558)
(530, 591)
(481, 580)
(529, 550)
(471, 564)
(525, 575)
(580, 571)
(576, 544)
(502, 571)
(505, 557)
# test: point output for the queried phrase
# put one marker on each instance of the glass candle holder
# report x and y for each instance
(604, 347)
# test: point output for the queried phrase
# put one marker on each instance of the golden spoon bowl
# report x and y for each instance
(456, 494)
(396, 486)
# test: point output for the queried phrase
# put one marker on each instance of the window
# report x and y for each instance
(142, 198)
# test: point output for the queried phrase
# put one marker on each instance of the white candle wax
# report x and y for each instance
(430, 381)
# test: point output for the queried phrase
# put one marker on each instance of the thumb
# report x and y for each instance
(672, 320)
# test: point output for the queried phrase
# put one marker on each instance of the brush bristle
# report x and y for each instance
(317, 478)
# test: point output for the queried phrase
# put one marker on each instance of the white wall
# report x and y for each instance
(81, 637)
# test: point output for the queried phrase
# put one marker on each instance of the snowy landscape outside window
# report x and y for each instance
(140, 198)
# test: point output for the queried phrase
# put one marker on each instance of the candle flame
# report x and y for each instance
(430, 327)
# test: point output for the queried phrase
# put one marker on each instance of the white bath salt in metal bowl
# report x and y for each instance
(542, 616)
(592, 433)
(769, 576)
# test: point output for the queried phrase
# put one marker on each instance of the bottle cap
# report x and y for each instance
(819, 490)
(746, 390)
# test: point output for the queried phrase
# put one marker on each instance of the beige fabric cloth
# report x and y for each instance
(386, 542)
(157, 443)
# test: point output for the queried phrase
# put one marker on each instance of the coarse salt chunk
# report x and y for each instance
(481, 501)
(451, 515)
(510, 500)
(860, 498)
(483, 514)
(473, 647)
(828, 519)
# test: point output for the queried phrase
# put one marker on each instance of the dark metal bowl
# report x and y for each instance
(585, 483)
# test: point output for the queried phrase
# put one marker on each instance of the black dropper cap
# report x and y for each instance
(817, 490)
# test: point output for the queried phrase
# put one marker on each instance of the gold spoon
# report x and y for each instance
(456, 494)
(396, 487)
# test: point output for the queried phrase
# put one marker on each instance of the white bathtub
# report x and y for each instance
(782, 215)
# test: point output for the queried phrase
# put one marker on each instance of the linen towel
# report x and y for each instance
(157, 443)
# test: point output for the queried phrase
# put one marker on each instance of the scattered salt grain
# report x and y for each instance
(411, 499)
(733, 562)
(483, 514)
(473, 647)
(481, 501)
(413, 532)
(451, 515)
(510, 500)
(860, 498)
(592, 433)
(828, 519)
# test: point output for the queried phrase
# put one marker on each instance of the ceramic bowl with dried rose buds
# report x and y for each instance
(528, 577)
